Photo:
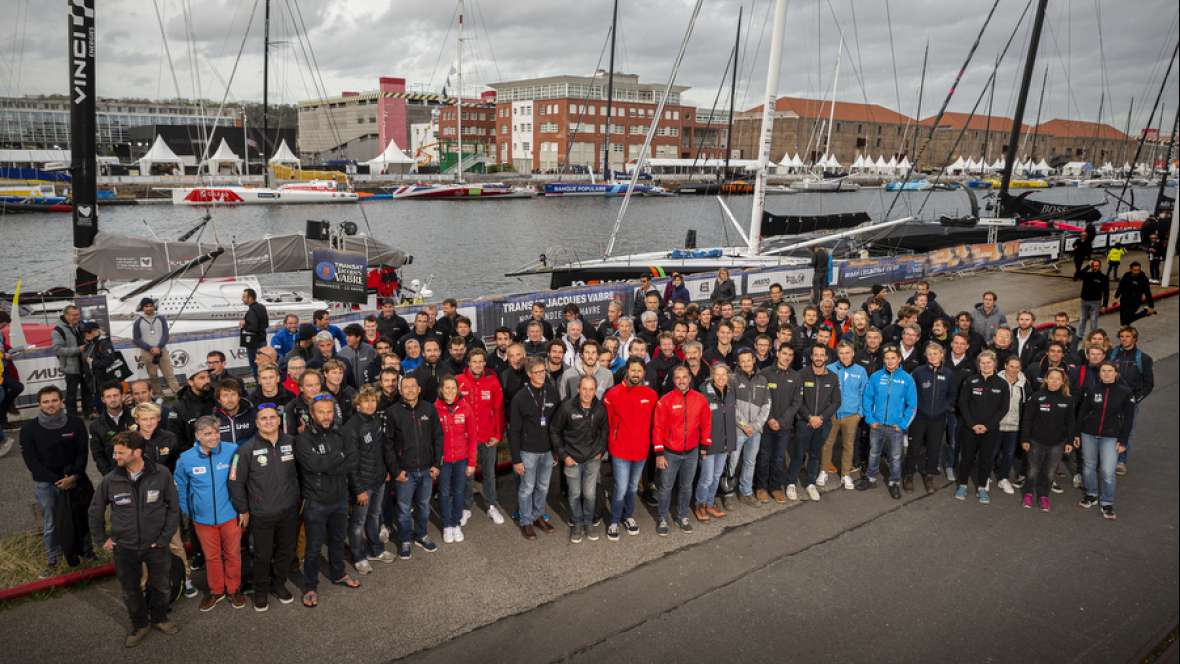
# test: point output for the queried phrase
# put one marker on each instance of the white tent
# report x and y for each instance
(881, 165)
(391, 157)
(859, 164)
(1076, 168)
(1042, 168)
(997, 166)
(904, 165)
(1107, 168)
(833, 163)
(892, 165)
(223, 157)
(797, 162)
(957, 167)
(283, 155)
(160, 153)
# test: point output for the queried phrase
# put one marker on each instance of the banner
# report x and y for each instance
(1047, 248)
(886, 269)
(338, 276)
(94, 308)
(794, 279)
(592, 302)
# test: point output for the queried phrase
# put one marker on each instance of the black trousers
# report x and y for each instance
(129, 569)
(274, 549)
(925, 450)
(1129, 312)
(977, 452)
(75, 383)
(1042, 459)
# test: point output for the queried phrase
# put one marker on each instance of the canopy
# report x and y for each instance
(832, 162)
(223, 157)
(123, 258)
(159, 153)
(859, 163)
(1042, 168)
(957, 166)
(283, 155)
(905, 164)
(393, 156)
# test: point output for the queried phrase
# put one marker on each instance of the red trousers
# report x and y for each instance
(223, 556)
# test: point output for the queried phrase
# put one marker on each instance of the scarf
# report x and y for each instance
(53, 423)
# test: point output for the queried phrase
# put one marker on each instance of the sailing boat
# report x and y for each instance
(817, 181)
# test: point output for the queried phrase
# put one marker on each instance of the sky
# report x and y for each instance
(353, 42)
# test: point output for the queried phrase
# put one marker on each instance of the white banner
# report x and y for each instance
(793, 279)
(1039, 248)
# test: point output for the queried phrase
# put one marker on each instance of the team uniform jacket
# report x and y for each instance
(529, 417)
(983, 401)
(579, 433)
(486, 398)
(890, 399)
(682, 423)
(784, 395)
(367, 434)
(413, 437)
(458, 425)
(143, 512)
(1107, 410)
(936, 395)
(819, 395)
(201, 484)
(630, 410)
(263, 478)
(325, 459)
(1048, 419)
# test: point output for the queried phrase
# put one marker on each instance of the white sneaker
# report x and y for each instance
(363, 567)
(1006, 486)
(384, 534)
(448, 535)
(812, 492)
(792, 494)
(383, 557)
(457, 533)
(1077, 481)
(463, 519)
(848, 485)
(495, 516)
(822, 479)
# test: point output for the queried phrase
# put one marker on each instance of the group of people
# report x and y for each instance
(695, 409)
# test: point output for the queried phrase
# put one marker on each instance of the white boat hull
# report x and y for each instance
(235, 195)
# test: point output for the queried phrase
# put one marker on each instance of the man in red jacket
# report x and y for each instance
(629, 408)
(481, 389)
(683, 425)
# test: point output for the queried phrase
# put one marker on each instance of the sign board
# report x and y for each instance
(1039, 248)
(790, 279)
(997, 221)
(338, 276)
(94, 308)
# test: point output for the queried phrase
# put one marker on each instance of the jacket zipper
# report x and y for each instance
(1102, 417)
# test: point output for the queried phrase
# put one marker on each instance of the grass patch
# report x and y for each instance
(22, 557)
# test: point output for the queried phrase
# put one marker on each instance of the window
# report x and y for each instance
(525, 146)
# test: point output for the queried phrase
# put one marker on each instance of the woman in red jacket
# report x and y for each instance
(459, 454)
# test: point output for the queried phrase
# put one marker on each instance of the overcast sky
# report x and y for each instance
(355, 41)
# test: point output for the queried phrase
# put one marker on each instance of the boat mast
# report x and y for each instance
(459, 97)
(1159, 204)
(83, 152)
(1150, 118)
(732, 94)
(1030, 63)
(265, 94)
(832, 107)
(987, 130)
(921, 92)
(766, 134)
(1126, 132)
(1040, 104)
(610, 93)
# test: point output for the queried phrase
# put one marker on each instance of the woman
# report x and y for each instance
(983, 401)
(1047, 431)
(723, 404)
(724, 289)
(675, 290)
(1010, 423)
(1104, 420)
(459, 455)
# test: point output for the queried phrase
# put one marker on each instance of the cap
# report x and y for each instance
(144, 302)
(877, 288)
(90, 326)
(306, 332)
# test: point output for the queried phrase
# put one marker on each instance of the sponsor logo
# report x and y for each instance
(179, 358)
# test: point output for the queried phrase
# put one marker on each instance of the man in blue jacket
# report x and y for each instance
(889, 404)
(853, 380)
(202, 489)
(283, 340)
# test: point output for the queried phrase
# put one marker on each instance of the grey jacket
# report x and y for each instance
(753, 399)
(67, 348)
(357, 360)
(569, 381)
(723, 409)
(985, 323)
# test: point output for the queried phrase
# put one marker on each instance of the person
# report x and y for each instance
(252, 326)
(149, 333)
(682, 427)
(910, 347)
(630, 405)
(821, 266)
(1114, 259)
(456, 359)
(1010, 423)
(389, 324)
(529, 415)
(283, 340)
(1046, 432)
(481, 390)
(356, 354)
(445, 324)
(264, 487)
(1134, 291)
(215, 361)
(335, 383)
(752, 402)
(853, 380)
(723, 289)
(676, 291)
(202, 489)
(414, 453)
(102, 363)
(234, 414)
(1104, 420)
(609, 325)
(878, 307)
(194, 400)
(934, 383)
(579, 438)
(67, 347)
(1137, 370)
(983, 401)
(321, 319)
(639, 300)
(819, 399)
(586, 365)
(1095, 295)
(144, 515)
(536, 315)
(890, 403)
(770, 473)
(1082, 249)
(269, 390)
(366, 482)
(722, 350)
(113, 418)
(1030, 344)
(302, 348)
(1156, 252)
(459, 455)
(160, 445)
(961, 364)
(986, 318)
(724, 435)
(555, 361)
(326, 458)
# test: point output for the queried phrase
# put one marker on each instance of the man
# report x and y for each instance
(414, 453)
(335, 377)
(649, 328)
(659, 369)
(498, 357)
(534, 342)
(693, 359)
(194, 400)
(366, 482)
(445, 324)
(869, 358)
(321, 319)
(429, 372)
(53, 445)
(907, 315)
(1095, 295)
(1054, 358)
(1030, 344)
(751, 410)
(421, 332)
(253, 327)
(513, 377)
(723, 351)
(933, 382)
(807, 330)
(639, 302)
(389, 324)
(481, 389)
(1156, 253)
(573, 340)
(113, 419)
(878, 308)
(356, 354)
(67, 346)
(536, 315)
(264, 487)
(325, 349)
(890, 402)
(681, 428)
(783, 383)
(610, 325)
(819, 398)
(529, 416)
(911, 353)
(215, 360)
(235, 416)
(555, 362)
(1002, 345)
(269, 389)
(1134, 291)
(202, 489)
(587, 365)
(1137, 371)
(845, 423)
(325, 457)
(456, 360)
(964, 324)
(284, 338)
(302, 349)
(629, 406)
(149, 333)
(579, 438)
(961, 364)
(986, 318)
(144, 516)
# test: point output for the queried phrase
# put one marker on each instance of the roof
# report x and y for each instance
(1080, 129)
(959, 121)
(846, 111)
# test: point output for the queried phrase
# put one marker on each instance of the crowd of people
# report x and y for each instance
(695, 409)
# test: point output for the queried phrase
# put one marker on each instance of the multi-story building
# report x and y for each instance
(801, 126)
(479, 130)
(359, 125)
(1060, 141)
(981, 137)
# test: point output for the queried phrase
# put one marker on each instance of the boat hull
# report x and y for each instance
(601, 190)
(424, 192)
(233, 195)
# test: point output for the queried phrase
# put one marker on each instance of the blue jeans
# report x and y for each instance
(747, 453)
(1007, 454)
(878, 438)
(451, 483)
(364, 526)
(324, 523)
(681, 470)
(534, 485)
(622, 499)
(47, 495)
(582, 480)
(413, 505)
(810, 442)
(771, 471)
(712, 467)
(1099, 455)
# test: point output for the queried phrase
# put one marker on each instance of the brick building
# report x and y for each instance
(986, 138)
(1059, 141)
(479, 130)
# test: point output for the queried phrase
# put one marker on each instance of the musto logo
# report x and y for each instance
(179, 358)
(325, 271)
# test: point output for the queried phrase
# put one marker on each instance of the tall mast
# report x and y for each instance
(764, 139)
(987, 131)
(832, 108)
(1126, 132)
(265, 95)
(459, 97)
(732, 94)
(83, 151)
(921, 92)
(610, 93)
(1032, 153)
(1030, 63)
(1159, 205)
(1150, 119)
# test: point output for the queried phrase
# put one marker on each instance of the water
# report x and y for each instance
(465, 247)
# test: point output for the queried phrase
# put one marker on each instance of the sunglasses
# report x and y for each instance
(264, 406)
(323, 397)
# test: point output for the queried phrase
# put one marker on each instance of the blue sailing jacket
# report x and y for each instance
(202, 484)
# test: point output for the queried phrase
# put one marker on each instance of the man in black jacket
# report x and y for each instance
(819, 397)
(1095, 295)
(1136, 371)
(264, 487)
(389, 324)
(579, 437)
(114, 419)
(529, 415)
(252, 334)
(414, 457)
(429, 371)
(1134, 291)
(194, 400)
(144, 516)
(366, 483)
(325, 459)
